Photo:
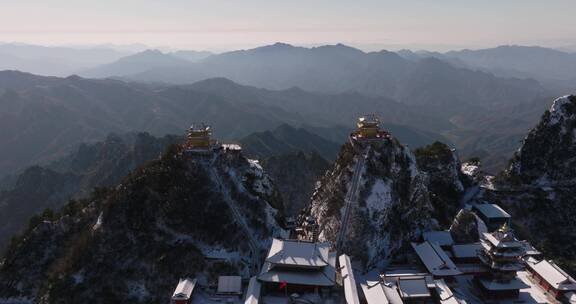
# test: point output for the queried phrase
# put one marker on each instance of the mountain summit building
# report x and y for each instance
(200, 136)
(368, 128)
(199, 140)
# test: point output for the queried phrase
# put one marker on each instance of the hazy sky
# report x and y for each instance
(219, 24)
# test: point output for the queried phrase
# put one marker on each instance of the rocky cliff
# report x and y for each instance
(388, 199)
(548, 154)
(445, 180)
(539, 186)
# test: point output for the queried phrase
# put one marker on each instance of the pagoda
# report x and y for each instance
(501, 253)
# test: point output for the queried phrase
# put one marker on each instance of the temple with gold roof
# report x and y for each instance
(199, 138)
(368, 128)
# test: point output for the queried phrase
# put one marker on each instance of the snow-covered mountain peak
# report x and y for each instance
(373, 201)
(563, 108)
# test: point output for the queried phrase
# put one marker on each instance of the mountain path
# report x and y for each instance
(252, 242)
(350, 198)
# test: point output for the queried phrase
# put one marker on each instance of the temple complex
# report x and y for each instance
(437, 268)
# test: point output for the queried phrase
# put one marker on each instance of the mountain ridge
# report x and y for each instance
(187, 222)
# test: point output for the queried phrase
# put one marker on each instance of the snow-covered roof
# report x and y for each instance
(253, 291)
(235, 147)
(324, 276)
(184, 289)
(552, 274)
(501, 241)
(499, 285)
(492, 211)
(298, 253)
(381, 293)
(443, 238)
(444, 293)
(369, 119)
(392, 293)
(229, 285)
(374, 293)
(529, 249)
(557, 110)
(350, 290)
(199, 127)
(466, 250)
(413, 288)
(404, 272)
(435, 259)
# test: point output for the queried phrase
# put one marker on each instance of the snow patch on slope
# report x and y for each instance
(558, 110)
(262, 184)
(380, 198)
(470, 169)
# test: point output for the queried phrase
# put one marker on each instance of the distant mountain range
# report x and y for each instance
(65, 61)
(286, 139)
(42, 118)
(553, 68)
(522, 61)
(144, 61)
(447, 89)
(54, 61)
(421, 97)
(336, 69)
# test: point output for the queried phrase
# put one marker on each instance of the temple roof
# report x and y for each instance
(466, 250)
(513, 284)
(325, 276)
(368, 120)
(503, 239)
(381, 293)
(435, 259)
(298, 253)
(253, 291)
(184, 289)
(444, 292)
(492, 211)
(413, 288)
(552, 274)
(374, 293)
(199, 127)
(443, 238)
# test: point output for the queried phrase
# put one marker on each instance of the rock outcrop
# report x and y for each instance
(391, 205)
(539, 186)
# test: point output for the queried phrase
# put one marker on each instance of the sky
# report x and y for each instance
(219, 25)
